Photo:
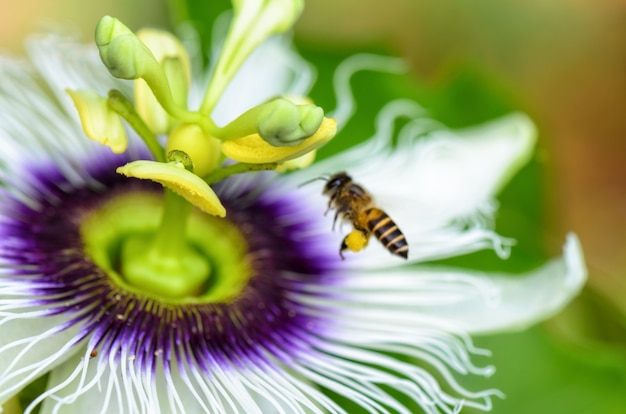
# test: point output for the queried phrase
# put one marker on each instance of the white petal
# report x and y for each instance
(450, 174)
(35, 129)
(364, 372)
(73, 374)
(112, 383)
(431, 309)
(84, 384)
(438, 189)
(519, 301)
(472, 301)
(65, 63)
(29, 348)
(109, 384)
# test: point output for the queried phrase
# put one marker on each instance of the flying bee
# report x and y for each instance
(353, 203)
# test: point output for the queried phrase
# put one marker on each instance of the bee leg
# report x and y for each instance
(330, 202)
(335, 220)
(343, 248)
(339, 212)
(329, 208)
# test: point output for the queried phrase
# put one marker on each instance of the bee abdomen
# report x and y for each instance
(387, 232)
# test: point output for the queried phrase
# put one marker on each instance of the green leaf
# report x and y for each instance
(540, 374)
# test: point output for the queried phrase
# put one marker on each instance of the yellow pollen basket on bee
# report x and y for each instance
(356, 241)
(354, 204)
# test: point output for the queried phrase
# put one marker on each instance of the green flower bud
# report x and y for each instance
(121, 51)
(288, 124)
(279, 122)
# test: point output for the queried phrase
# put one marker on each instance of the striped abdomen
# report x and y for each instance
(387, 232)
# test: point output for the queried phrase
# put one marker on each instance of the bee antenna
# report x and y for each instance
(321, 177)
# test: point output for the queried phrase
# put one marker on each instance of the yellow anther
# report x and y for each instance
(99, 121)
(253, 149)
(175, 177)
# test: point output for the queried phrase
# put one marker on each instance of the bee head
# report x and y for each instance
(335, 182)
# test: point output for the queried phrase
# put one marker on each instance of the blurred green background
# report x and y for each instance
(561, 61)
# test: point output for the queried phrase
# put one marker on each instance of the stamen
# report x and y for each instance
(99, 120)
(252, 149)
(127, 57)
(175, 177)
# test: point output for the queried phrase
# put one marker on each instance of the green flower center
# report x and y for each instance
(210, 267)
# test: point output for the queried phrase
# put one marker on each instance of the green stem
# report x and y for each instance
(221, 173)
(164, 263)
(120, 104)
(192, 117)
(170, 240)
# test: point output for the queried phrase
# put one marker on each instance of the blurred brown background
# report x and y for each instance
(19, 18)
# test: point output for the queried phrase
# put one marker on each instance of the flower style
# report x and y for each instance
(246, 306)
